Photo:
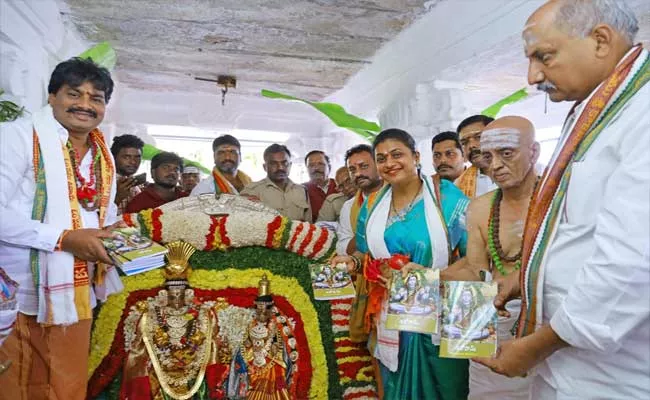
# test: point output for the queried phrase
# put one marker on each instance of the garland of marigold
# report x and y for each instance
(156, 232)
(318, 246)
(216, 239)
(272, 229)
(144, 218)
(299, 229)
(306, 240)
(224, 235)
(280, 232)
(127, 218)
(353, 359)
(286, 233)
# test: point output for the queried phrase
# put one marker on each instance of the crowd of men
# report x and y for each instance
(321, 199)
(569, 248)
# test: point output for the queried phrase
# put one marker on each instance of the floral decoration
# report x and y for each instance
(242, 229)
(239, 287)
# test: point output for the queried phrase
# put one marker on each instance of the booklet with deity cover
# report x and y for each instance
(8, 289)
(331, 283)
(469, 320)
(414, 301)
(134, 253)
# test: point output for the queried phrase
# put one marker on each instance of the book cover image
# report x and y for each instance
(130, 244)
(469, 320)
(413, 301)
(331, 283)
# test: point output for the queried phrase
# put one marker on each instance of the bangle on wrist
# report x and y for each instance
(59, 242)
(357, 263)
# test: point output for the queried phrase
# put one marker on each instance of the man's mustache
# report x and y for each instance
(474, 152)
(444, 165)
(81, 110)
(546, 86)
(360, 177)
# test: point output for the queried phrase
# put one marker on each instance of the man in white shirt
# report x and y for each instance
(363, 171)
(475, 181)
(585, 277)
(57, 181)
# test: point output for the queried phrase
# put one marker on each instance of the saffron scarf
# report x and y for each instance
(356, 207)
(222, 185)
(62, 280)
(466, 182)
(358, 328)
(541, 223)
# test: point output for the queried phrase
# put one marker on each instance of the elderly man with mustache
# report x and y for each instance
(331, 209)
(585, 269)
(475, 181)
(320, 185)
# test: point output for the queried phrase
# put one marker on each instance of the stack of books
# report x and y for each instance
(134, 253)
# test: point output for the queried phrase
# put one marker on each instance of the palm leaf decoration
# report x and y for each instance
(337, 114)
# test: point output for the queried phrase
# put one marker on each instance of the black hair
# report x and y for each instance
(276, 148)
(447, 135)
(75, 71)
(225, 139)
(166, 157)
(484, 119)
(126, 142)
(327, 159)
(395, 134)
(360, 148)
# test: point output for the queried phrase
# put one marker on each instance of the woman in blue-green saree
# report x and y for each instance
(425, 220)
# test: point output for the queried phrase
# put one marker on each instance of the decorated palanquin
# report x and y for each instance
(236, 320)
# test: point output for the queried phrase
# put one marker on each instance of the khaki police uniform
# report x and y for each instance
(291, 202)
(331, 209)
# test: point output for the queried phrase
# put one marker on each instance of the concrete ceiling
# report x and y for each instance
(307, 48)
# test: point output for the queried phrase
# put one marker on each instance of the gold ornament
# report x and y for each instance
(264, 287)
(178, 257)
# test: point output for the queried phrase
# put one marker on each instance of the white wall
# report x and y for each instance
(33, 39)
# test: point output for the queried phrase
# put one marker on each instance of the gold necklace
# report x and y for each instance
(163, 379)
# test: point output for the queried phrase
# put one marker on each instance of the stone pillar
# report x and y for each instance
(429, 109)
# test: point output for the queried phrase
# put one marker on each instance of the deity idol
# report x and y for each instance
(172, 341)
(268, 355)
(180, 347)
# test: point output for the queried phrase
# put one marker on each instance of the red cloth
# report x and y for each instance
(148, 198)
(137, 389)
(215, 376)
(317, 196)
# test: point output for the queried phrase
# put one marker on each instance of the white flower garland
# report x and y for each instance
(191, 227)
(247, 229)
(296, 244)
(233, 324)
